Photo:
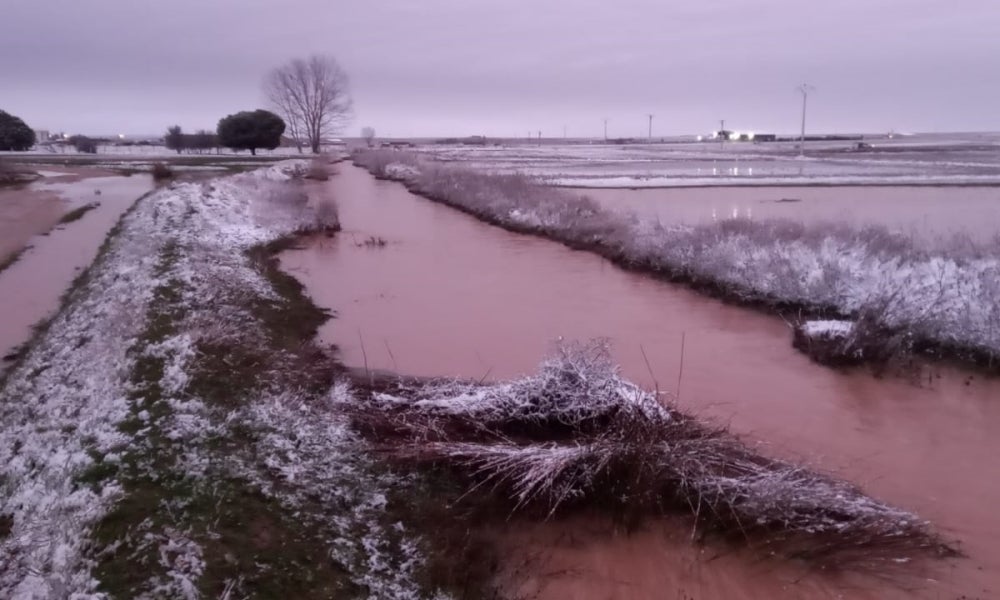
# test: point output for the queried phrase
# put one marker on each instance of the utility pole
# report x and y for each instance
(605, 129)
(722, 132)
(650, 134)
(804, 89)
(539, 137)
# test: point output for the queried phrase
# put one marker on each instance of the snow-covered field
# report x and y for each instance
(119, 465)
(957, 159)
(947, 295)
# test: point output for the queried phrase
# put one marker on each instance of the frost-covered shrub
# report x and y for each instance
(319, 169)
(578, 437)
(327, 215)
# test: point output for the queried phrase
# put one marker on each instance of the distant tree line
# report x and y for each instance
(202, 141)
(15, 135)
(247, 130)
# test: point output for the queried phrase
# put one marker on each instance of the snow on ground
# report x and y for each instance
(176, 274)
(828, 328)
(924, 160)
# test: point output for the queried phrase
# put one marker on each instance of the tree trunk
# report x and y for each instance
(253, 152)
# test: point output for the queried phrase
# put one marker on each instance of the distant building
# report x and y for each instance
(41, 135)
(744, 136)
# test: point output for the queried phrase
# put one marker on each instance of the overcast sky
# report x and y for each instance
(504, 67)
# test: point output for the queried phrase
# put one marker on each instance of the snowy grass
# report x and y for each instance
(942, 298)
(577, 437)
(170, 433)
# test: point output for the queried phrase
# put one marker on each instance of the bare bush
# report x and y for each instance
(161, 171)
(372, 241)
(327, 215)
(577, 436)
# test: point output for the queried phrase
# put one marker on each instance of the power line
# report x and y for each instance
(804, 89)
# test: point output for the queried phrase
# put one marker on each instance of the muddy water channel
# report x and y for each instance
(448, 295)
(30, 289)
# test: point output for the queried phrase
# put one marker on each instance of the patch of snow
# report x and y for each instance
(401, 171)
(828, 328)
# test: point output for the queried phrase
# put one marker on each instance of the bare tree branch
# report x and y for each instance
(313, 96)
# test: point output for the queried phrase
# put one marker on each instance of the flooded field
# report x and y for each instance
(919, 210)
(448, 295)
(31, 287)
(25, 213)
(935, 159)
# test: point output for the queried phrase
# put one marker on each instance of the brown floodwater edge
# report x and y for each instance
(449, 295)
(33, 285)
(929, 213)
(25, 213)
(983, 360)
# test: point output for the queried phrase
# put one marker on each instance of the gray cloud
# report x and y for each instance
(437, 67)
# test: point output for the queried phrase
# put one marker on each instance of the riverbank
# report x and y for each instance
(166, 433)
(942, 303)
(493, 302)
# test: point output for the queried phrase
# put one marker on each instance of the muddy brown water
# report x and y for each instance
(926, 211)
(30, 289)
(449, 295)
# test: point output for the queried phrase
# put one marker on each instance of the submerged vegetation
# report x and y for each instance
(576, 436)
(939, 299)
(77, 213)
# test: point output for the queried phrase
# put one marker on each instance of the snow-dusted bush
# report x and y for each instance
(941, 295)
(578, 436)
(319, 169)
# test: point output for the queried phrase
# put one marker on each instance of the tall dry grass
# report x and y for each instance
(577, 437)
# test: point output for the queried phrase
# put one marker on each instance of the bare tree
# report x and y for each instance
(312, 95)
(368, 134)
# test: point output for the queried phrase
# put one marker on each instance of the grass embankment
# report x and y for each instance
(246, 539)
(941, 300)
(182, 382)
